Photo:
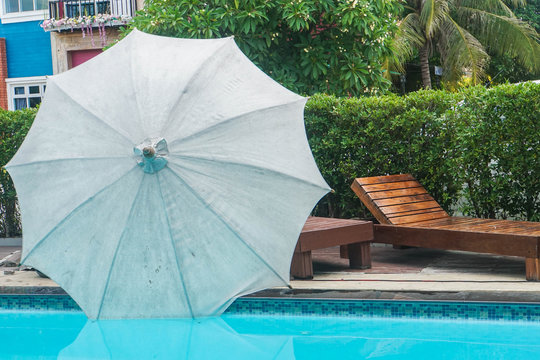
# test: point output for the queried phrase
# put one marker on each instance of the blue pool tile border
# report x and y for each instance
(388, 309)
(38, 302)
(323, 307)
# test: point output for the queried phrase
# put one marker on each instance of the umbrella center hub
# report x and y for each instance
(151, 154)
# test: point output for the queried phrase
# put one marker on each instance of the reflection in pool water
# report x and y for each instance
(69, 335)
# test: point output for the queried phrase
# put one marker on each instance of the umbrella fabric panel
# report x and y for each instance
(167, 69)
(217, 265)
(106, 91)
(145, 265)
(68, 131)
(49, 192)
(245, 198)
(244, 140)
(231, 86)
(79, 252)
(145, 73)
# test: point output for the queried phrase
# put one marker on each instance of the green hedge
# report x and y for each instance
(476, 151)
(13, 128)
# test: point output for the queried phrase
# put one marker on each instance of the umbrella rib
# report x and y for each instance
(67, 159)
(135, 92)
(94, 115)
(219, 216)
(230, 120)
(199, 158)
(189, 82)
(174, 248)
(118, 247)
(72, 212)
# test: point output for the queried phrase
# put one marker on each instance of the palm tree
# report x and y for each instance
(461, 31)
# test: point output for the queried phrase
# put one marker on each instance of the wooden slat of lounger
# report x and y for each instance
(500, 227)
(475, 225)
(368, 202)
(392, 217)
(484, 225)
(384, 179)
(403, 220)
(456, 223)
(508, 226)
(423, 205)
(403, 200)
(396, 193)
(319, 223)
(443, 222)
(402, 190)
(391, 186)
(462, 223)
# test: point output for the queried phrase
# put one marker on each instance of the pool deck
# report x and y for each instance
(409, 274)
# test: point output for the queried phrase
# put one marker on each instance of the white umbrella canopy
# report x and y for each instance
(164, 178)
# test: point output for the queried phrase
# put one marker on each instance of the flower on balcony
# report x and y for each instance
(86, 23)
(59, 24)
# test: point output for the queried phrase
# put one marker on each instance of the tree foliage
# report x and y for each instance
(307, 45)
(505, 68)
(530, 13)
(462, 32)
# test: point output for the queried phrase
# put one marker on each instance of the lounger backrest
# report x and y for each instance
(397, 199)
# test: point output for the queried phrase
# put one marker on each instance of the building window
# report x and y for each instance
(15, 11)
(25, 92)
(13, 6)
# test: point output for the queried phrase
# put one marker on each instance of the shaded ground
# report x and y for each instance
(387, 260)
(6, 250)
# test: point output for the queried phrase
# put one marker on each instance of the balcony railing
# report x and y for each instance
(60, 9)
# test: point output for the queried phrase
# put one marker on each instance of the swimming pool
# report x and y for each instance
(53, 327)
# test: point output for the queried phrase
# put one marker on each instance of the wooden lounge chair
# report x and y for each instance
(409, 216)
(320, 233)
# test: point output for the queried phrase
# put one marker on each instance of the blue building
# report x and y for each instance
(25, 53)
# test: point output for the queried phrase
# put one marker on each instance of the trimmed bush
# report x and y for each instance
(14, 126)
(476, 151)
(499, 147)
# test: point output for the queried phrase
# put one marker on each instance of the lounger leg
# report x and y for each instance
(360, 255)
(532, 269)
(302, 265)
(344, 251)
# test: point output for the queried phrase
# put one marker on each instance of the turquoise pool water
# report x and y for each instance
(31, 334)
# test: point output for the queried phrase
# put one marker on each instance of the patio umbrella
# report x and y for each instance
(164, 178)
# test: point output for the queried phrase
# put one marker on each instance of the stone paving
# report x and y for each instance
(419, 274)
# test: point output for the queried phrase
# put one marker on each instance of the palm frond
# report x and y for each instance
(461, 52)
(504, 35)
(410, 36)
(498, 7)
(432, 15)
(516, 3)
